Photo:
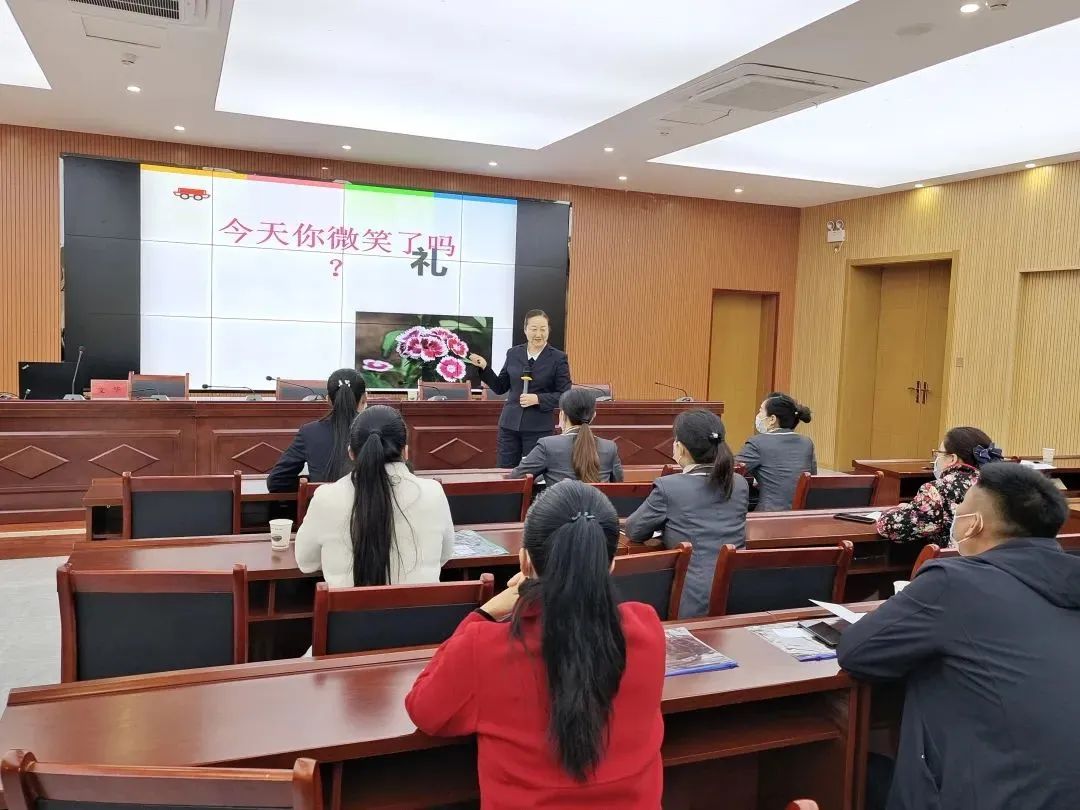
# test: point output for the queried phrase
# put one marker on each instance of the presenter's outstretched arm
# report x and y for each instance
(500, 383)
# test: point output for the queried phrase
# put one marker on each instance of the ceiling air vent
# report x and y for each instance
(183, 12)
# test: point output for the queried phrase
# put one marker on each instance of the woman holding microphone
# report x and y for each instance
(529, 412)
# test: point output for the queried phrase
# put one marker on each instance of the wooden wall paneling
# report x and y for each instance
(642, 266)
(994, 227)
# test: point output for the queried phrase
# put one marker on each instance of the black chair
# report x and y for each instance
(180, 505)
(503, 501)
(655, 578)
(385, 616)
(445, 390)
(115, 623)
(488, 395)
(754, 580)
(836, 491)
(145, 386)
(602, 391)
(626, 498)
(32, 785)
(299, 390)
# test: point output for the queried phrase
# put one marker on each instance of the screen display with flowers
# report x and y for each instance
(395, 350)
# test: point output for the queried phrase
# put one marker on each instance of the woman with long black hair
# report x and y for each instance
(381, 525)
(565, 696)
(705, 506)
(323, 445)
(576, 452)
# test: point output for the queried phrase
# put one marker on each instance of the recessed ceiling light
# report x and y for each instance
(307, 80)
(134, 88)
(738, 191)
(1029, 165)
(829, 143)
(18, 67)
(179, 127)
(919, 185)
(969, 8)
(622, 177)
(346, 147)
(609, 148)
(492, 163)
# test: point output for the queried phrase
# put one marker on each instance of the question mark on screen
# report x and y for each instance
(336, 264)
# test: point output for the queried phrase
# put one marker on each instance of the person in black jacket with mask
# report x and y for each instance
(987, 643)
(527, 418)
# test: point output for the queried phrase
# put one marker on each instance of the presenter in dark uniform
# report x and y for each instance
(535, 375)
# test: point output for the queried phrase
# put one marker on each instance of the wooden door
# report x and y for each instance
(932, 365)
(741, 358)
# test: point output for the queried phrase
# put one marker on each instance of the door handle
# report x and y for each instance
(917, 388)
(925, 391)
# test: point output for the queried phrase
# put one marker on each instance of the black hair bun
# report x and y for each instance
(803, 413)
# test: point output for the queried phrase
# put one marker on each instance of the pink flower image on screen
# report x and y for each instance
(457, 346)
(412, 331)
(441, 332)
(432, 348)
(411, 348)
(376, 365)
(451, 369)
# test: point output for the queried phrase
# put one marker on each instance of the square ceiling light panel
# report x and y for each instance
(17, 63)
(522, 73)
(1010, 103)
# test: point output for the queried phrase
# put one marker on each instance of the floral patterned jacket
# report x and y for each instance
(927, 518)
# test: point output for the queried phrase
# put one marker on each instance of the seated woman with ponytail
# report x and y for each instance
(565, 696)
(576, 452)
(381, 525)
(705, 506)
(322, 445)
(777, 456)
(928, 517)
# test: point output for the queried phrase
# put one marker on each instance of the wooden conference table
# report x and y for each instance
(51, 451)
(904, 476)
(768, 731)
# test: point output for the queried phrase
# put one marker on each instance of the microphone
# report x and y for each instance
(26, 394)
(605, 396)
(251, 397)
(146, 392)
(526, 377)
(439, 397)
(685, 394)
(75, 376)
(314, 396)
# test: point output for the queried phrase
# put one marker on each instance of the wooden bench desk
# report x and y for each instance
(768, 731)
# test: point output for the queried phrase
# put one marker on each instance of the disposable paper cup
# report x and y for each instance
(280, 533)
(899, 585)
(1048, 455)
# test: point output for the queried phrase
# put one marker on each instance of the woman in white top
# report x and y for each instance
(380, 525)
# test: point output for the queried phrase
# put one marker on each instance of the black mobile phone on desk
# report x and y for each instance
(827, 632)
(856, 517)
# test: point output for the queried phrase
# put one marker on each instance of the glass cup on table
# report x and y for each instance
(280, 534)
(1048, 455)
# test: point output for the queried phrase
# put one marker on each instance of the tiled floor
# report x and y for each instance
(30, 627)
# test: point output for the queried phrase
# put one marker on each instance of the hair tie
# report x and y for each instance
(986, 455)
(714, 437)
(374, 432)
(586, 515)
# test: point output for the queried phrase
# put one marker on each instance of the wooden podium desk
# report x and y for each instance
(770, 730)
(51, 451)
(904, 476)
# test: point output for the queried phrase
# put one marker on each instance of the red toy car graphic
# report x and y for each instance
(191, 193)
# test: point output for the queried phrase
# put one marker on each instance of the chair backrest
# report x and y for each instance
(626, 497)
(836, 491)
(748, 581)
(144, 386)
(487, 394)
(110, 389)
(180, 505)
(504, 501)
(296, 390)
(655, 578)
(386, 616)
(32, 785)
(450, 390)
(1070, 543)
(597, 389)
(115, 623)
(304, 494)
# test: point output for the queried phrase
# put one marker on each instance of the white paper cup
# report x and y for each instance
(899, 585)
(280, 533)
(1048, 455)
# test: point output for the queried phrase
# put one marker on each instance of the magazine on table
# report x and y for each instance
(686, 653)
(468, 543)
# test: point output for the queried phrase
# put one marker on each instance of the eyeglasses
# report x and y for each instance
(935, 453)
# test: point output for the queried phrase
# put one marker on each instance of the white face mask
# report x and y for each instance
(940, 466)
(954, 541)
(760, 425)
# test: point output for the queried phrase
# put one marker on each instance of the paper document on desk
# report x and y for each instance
(1036, 465)
(468, 543)
(840, 611)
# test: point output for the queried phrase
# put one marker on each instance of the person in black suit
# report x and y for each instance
(526, 418)
(987, 645)
(323, 445)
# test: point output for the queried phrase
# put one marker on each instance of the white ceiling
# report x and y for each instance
(561, 83)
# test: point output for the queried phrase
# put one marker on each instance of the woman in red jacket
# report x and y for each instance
(564, 696)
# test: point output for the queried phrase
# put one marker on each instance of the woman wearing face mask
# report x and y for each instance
(927, 518)
(777, 456)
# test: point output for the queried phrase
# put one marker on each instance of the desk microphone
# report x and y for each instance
(314, 396)
(75, 376)
(605, 394)
(439, 396)
(26, 394)
(685, 394)
(251, 397)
